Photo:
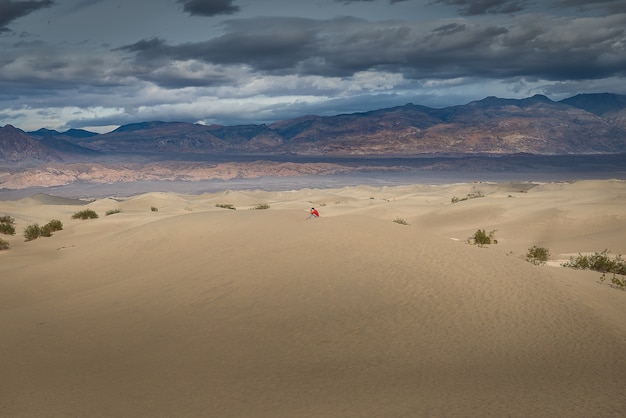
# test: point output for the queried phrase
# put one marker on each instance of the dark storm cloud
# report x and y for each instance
(612, 6)
(11, 10)
(208, 7)
(481, 7)
(361, 1)
(266, 44)
(344, 46)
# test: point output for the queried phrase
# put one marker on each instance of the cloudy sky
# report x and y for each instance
(98, 64)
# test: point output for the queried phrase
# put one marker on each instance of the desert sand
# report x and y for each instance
(199, 311)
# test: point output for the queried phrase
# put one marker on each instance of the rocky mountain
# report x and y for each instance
(71, 133)
(17, 147)
(602, 104)
(583, 124)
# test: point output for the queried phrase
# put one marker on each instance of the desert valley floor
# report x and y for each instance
(176, 306)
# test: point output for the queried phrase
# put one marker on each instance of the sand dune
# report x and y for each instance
(196, 310)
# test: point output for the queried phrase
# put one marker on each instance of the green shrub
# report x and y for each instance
(469, 196)
(7, 229)
(400, 221)
(615, 281)
(537, 255)
(261, 206)
(112, 211)
(45, 231)
(599, 261)
(225, 206)
(6, 225)
(35, 231)
(32, 232)
(85, 214)
(154, 209)
(481, 238)
(4, 245)
(55, 225)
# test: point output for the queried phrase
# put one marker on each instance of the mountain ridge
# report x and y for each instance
(582, 124)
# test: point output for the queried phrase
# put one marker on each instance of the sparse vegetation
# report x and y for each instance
(6, 225)
(604, 263)
(456, 199)
(226, 206)
(599, 261)
(112, 212)
(55, 225)
(34, 231)
(85, 214)
(45, 231)
(4, 245)
(615, 281)
(400, 221)
(154, 209)
(261, 206)
(481, 238)
(538, 255)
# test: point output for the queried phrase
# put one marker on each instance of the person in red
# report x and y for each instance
(314, 213)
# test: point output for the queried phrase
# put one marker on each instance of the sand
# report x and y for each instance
(199, 311)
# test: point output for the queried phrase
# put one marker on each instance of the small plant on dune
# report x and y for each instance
(599, 261)
(261, 206)
(400, 221)
(4, 245)
(469, 196)
(616, 281)
(7, 229)
(6, 225)
(481, 238)
(537, 255)
(225, 206)
(55, 225)
(112, 212)
(32, 231)
(604, 263)
(35, 231)
(85, 214)
(45, 231)
(154, 209)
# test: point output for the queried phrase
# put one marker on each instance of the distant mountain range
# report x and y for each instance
(583, 124)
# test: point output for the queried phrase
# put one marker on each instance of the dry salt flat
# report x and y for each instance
(193, 309)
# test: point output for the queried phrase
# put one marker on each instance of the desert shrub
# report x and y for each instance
(400, 221)
(85, 214)
(225, 206)
(619, 282)
(469, 196)
(35, 231)
(481, 238)
(154, 209)
(7, 229)
(112, 212)
(55, 225)
(45, 231)
(599, 261)
(4, 245)
(537, 255)
(6, 225)
(32, 231)
(261, 206)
